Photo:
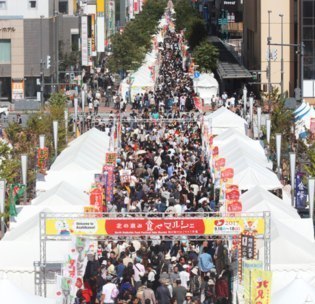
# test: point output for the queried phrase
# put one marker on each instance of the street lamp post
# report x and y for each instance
(282, 65)
(311, 187)
(292, 175)
(269, 59)
(41, 63)
(244, 100)
(42, 141)
(24, 174)
(278, 149)
(55, 133)
(66, 115)
(268, 130)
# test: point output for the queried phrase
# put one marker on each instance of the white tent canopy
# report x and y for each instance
(142, 81)
(249, 174)
(223, 119)
(206, 86)
(79, 162)
(297, 292)
(257, 199)
(10, 293)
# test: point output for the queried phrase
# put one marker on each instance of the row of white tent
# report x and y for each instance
(63, 190)
(292, 238)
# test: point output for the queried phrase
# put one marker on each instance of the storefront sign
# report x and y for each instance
(84, 41)
(93, 46)
(219, 163)
(247, 267)
(7, 29)
(17, 89)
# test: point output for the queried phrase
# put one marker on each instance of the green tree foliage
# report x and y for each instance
(188, 19)
(206, 56)
(130, 46)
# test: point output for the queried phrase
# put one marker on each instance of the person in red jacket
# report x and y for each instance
(222, 286)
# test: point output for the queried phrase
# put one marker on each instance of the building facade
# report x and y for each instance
(258, 25)
(29, 31)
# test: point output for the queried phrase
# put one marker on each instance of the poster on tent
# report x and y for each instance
(261, 281)
(300, 191)
(108, 171)
(232, 196)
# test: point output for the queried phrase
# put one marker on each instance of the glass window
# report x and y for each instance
(308, 33)
(3, 4)
(5, 51)
(308, 8)
(63, 7)
(32, 4)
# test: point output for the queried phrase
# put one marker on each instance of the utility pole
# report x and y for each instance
(41, 63)
(282, 65)
(269, 59)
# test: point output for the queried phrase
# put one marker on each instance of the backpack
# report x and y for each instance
(114, 293)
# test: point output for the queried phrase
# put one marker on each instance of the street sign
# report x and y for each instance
(196, 74)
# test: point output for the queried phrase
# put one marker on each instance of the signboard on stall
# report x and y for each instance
(110, 158)
(108, 171)
(96, 199)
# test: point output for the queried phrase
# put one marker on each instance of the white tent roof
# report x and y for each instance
(10, 293)
(78, 163)
(63, 194)
(297, 292)
(257, 199)
(223, 119)
(150, 58)
(249, 174)
(142, 78)
(206, 80)
(234, 135)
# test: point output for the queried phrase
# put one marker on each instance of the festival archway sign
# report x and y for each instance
(64, 226)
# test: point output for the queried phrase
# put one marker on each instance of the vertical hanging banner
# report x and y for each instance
(93, 43)
(108, 171)
(42, 158)
(261, 281)
(300, 191)
(100, 25)
(96, 199)
(84, 41)
(111, 15)
(131, 12)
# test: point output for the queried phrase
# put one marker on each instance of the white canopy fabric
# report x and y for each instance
(297, 292)
(79, 162)
(223, 119)
(63, 194)
(232, 135)
(142, 81)
(257, 199)
(206, 86)
(10, 293)
(249, 174)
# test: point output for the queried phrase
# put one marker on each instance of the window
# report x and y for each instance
(5, 51)
(3, 4)
(32, 4)
(63, 7)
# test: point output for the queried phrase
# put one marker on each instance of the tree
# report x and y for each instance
(206, 56)
(196, 32)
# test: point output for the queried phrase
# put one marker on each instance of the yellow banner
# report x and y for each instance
(234, 225)
(81, 226)
(100, 6)
(261, 286)
(248, 267)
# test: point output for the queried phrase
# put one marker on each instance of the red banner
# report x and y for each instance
(132, 226)
(234, 206)
(219, 163)
(215, 151)
(227, 174)
(232, 195)
(96, 199)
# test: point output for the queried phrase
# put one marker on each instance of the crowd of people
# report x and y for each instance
(161, 146)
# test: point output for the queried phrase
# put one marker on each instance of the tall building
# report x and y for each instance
(29, 31)
(258, 24)
(307, 32)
